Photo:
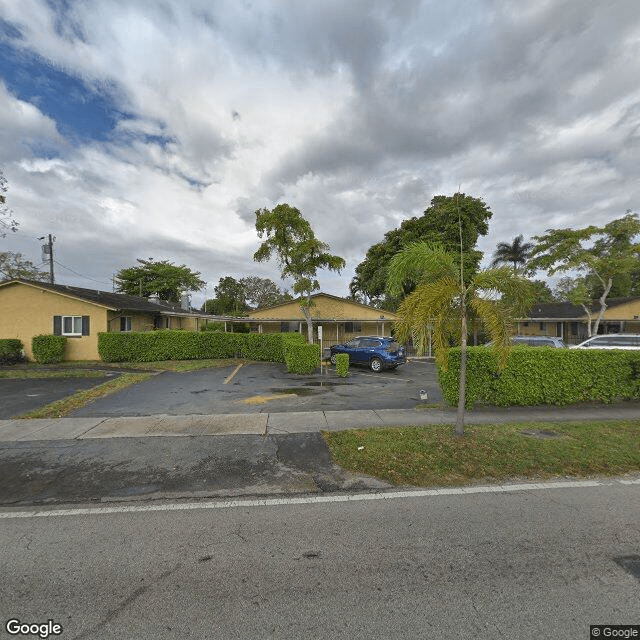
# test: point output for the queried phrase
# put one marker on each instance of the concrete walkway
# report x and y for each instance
(292, 422)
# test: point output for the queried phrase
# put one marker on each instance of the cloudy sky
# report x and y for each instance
(140, 128)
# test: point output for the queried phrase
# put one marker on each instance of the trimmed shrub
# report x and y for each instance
(342, 364)
(10, 351)
(541, 375)
(48, 349)
(213, 326)
(150, 346)
(302, 358)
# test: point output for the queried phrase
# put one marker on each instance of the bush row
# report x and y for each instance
(150, 346)
(10, 351)
(48, 349)
(538, 376)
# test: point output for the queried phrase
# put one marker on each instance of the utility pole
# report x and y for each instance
(47, 250)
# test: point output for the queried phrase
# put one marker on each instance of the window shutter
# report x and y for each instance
(85, 325)
(57, 325)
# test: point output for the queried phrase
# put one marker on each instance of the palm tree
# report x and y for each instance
(516, 253)
(441, 303)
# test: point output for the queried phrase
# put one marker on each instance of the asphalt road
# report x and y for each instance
(111, 469)
(530, 564)
(267, 387)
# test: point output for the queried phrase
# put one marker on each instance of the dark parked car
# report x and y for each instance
(373, 351)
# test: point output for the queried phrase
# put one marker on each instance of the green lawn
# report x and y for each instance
(432, 455)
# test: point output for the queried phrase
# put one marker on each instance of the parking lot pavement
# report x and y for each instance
(268, 388)
(19, 396)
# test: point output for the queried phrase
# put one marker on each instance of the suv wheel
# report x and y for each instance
(376, 364)
(333, 358)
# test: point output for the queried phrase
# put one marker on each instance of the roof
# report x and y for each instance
(557, 310)
(115, 301)
(569, 311)
(313, 297)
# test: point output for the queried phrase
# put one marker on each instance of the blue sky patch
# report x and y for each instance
(82, 113)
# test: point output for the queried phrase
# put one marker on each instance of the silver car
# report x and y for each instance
(611, 341)
(536, 341)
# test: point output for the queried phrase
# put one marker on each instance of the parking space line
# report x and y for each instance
(233, 373)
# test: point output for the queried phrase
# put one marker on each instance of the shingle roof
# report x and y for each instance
(118, 301)
(567, 311)
(559, 310)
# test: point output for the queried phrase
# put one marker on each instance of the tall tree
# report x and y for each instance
(443, 301)
(164, 279)
(290, 238)
(229, 300)
(262, 292)
(601, 253)
(13, 265)
(440, 223)
(7, 221)
(515, 253)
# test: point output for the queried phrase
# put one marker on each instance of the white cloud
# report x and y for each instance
(357, 113)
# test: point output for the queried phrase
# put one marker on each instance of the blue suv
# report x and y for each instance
(373, 351)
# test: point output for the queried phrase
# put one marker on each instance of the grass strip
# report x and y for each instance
(24, 374)
(432, 455)
(64, 407)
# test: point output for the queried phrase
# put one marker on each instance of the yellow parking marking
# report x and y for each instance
(263, 399)
(230, 377)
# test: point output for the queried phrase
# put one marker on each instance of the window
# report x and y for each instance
(352, 327)
(543, 326)
(125, 323)
(73, 326)
(289, 327)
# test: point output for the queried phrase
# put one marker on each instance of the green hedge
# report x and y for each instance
(543, 376)
(10, 351)
(150, 346)
(48, 349)
(342, 364)
(302, 358)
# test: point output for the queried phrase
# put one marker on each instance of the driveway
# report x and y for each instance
(267, 387)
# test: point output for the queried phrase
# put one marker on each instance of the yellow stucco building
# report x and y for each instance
(569, 321)
(339, 318)
(28, 309)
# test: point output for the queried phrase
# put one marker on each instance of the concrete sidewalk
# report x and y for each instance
(292, 422)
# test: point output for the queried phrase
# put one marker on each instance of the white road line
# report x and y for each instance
(272, 502)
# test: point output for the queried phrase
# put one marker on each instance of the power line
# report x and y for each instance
(81, 275)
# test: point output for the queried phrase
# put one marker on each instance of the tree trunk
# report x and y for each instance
(463, 375)
(306, 311)
(603, 305)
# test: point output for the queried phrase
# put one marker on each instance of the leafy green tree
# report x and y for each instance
(602, 254)
(541, 291)
(13, 265)
(515, 253)
(443, 300)
(290, 238)
(229, 300)
(262, 292)
(7, 222)
(443, 222)
(164, 279)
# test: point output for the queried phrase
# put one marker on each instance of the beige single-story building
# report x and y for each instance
(28, 309)
(339, 318)
(570, 322)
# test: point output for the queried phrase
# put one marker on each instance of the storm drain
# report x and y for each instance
(631, 564)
